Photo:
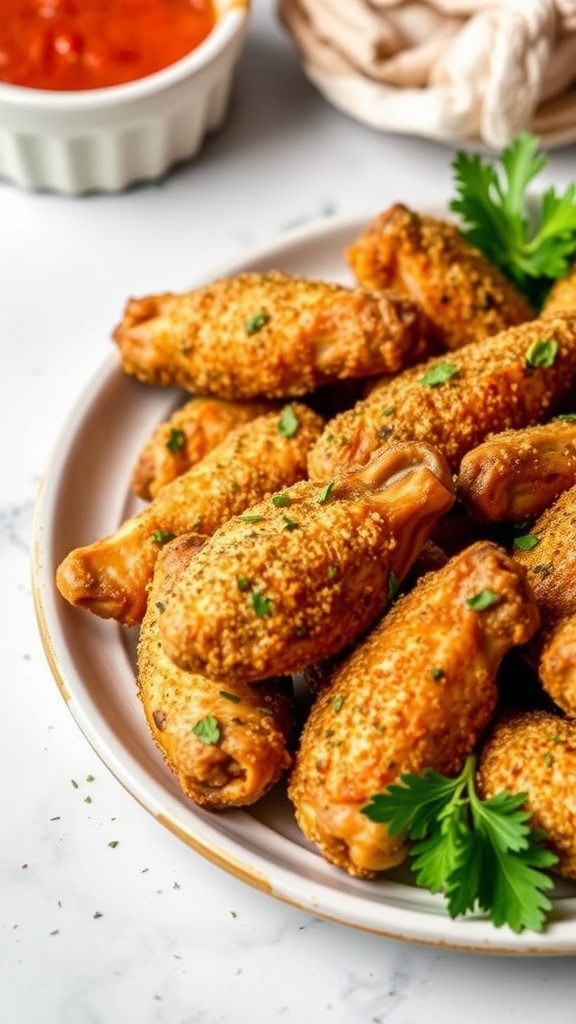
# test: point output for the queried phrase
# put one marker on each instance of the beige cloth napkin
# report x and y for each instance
(449, 69)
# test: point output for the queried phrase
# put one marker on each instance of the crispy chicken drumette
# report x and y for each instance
(300, 576)
(416, 694)
(268, 335)
(110, 577)
(429, 260)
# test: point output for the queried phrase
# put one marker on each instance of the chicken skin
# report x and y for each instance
(186, 437)
(227, 747)
(299, 577)
(463, 294)
(551, 567)
(110, 577)
(514, 379)
(535, 753)
(516, 474)
(268, 335)
(415, 694)
(562, 294)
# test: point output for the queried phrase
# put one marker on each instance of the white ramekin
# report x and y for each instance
(107, 139)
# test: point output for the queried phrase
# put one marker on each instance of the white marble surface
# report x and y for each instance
(180, 941)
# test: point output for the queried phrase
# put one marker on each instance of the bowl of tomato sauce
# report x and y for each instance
(97, 95)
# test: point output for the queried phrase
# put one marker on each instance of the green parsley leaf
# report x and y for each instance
(176, 440)
(261, 604)
(526, 542)
(207, 730)
(337, 702)
(162, 536)
(541, 354)
(288, 423)
(479, 853)
(483, 599)
(242, 582)
(393, 587)
(290, 524)
(569, 417)
(531, 250)
(250, 519)
(255, 323)
(332, 572)
(439, 374)
(232, 697)
(281, 500)
(326, 492)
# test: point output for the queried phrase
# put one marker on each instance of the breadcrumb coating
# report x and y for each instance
(416, 694)
(245, 752)
(562, 295)
(182, 440)
(110, 576)
(455, 402)
(535, 753)
(300, 576)
(428, 259)
(268, 335)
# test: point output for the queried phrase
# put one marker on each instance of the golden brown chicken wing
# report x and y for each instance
(227, 746)
(186, 437)
(535, 753)
(110, 577)
(298, 577)
(513, 379)
(562, 295)
(429, 260)
(551, 567)
(268, 335)
(516, 474)
(416, 694)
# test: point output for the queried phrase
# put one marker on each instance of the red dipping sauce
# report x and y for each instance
(92, 44)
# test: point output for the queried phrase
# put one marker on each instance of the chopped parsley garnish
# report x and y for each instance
(176, 440)
(526, 542)
(483, 599)
(261, 604)
(326, 492)
(437, 674)
(250, 519)
(439, 374)
(207, 730)
(255, 323)
(393, 586)
(289, 524)
(288, 423)
(332, 572)
(542, 354)
(281, 500)
(162, 536)
(337, 702)
(242, 582)
(232, 697)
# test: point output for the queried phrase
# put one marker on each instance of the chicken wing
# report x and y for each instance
(562, 295)
(110, 577)
(514, 379)
(298, 577)
(181, 441)
(226, 746)
(268, 335)
(415, 694)
(516, 474)
(551, 567)
(535, 753)
(429, 260)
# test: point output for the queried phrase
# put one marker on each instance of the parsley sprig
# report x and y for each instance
(481, 854)
(533, 243)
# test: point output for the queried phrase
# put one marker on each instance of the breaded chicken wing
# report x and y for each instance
(514, 379)
(551, 567)
(535, 753)
(298, 577)
(226, 746)
(516, 474)
(415, 694)
(268, 335)
(186, 437)
(110, 577)
(562, 295)
(429, 260)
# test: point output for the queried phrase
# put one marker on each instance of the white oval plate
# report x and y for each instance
(84, 495)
